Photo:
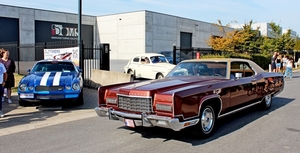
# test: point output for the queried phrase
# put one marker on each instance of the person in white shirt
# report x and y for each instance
(289, 67)
(3, 78)
(284, 61)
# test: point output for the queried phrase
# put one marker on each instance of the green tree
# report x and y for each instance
(297, 45)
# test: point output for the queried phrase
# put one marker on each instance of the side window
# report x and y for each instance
(136, 59)
(241, 68)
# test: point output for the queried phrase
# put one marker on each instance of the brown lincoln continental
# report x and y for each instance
(195, 93)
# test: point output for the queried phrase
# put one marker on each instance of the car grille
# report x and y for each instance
(49, 88)
(50, 96)
(137, 104)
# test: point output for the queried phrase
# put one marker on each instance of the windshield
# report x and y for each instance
(218, 69)
(53, 66)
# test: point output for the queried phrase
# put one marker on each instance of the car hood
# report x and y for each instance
(49, 79)
(171, 84)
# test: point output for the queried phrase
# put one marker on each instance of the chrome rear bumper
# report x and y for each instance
(145, 120)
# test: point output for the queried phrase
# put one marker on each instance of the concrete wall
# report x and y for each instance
(124, 32)
(150, 32)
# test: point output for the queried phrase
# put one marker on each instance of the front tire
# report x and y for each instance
(23, 103)
(132, 74)
(207, 121)
(267, 102)
(79, 100)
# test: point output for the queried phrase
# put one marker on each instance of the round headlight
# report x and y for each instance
(22, 87)
(76, 86)
(68, 87)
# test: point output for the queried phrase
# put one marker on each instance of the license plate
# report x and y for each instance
(129, 123)
(26, 95)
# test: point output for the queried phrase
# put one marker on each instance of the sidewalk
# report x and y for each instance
(18, 119)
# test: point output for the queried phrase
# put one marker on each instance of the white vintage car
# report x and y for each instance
(149, 66)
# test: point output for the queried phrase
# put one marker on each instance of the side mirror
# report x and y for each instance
(28, 70)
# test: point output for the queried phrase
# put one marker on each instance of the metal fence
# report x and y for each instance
(191, 52)
(26, 55)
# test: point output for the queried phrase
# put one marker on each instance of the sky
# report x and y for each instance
(283, 13)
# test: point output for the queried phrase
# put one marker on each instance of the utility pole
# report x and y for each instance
(79, 33)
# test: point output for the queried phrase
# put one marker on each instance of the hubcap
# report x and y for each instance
(207, 119)
(268, 100)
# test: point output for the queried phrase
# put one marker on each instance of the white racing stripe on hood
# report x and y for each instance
(45, 78)
(56, 79)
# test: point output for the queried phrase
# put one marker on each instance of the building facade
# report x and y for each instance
(127, 33)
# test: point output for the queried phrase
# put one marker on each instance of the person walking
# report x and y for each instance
(289, 67)
(10, 66)
(3, 78)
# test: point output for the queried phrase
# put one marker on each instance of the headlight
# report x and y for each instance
(164, 107)
(76, 86)
(22, 87)
(30, 88)
(111, 100)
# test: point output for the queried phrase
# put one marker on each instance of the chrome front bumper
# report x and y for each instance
(145, 120)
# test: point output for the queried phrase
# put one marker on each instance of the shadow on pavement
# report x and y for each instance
(17, 115)
(224, 125)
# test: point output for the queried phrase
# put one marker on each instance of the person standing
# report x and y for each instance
(3, 78)
(278, 63)
(10, 70)
(289, 67)
(284, 61)
(273, 60)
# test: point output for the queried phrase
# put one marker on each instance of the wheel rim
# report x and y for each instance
(268, 100)
(207, 120)
(160, 77)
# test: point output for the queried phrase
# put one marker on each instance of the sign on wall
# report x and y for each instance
(56, 31)
(71, 53)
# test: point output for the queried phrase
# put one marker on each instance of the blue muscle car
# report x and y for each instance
(51, 81)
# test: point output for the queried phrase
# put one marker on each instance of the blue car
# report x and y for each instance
(180, 56)
(51, 81)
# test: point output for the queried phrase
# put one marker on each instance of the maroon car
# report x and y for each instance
(195, 93)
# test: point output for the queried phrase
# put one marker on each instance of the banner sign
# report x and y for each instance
(71, 53)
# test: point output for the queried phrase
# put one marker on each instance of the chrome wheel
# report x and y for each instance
(267, 102)
(207, 119)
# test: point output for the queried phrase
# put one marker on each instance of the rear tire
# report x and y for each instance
(159, 76)
(267, 102)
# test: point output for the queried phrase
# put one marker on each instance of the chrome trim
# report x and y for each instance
(145, 120)
(236, 110)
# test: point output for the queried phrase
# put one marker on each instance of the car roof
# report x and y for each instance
(54, 60)
(252, 64)
(149, 54)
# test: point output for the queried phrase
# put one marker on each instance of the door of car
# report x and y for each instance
(242, 89)
(143, 69)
